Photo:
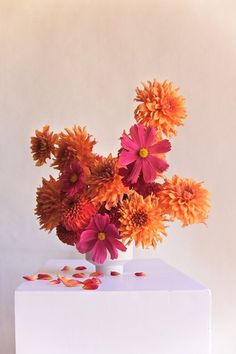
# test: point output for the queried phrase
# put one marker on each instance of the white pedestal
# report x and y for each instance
(164, 312)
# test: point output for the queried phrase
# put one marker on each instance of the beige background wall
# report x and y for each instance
(79, 61)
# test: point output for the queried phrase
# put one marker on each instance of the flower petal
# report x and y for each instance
(84, 247)
(99, 252)
(128, 144)
(96, 274)
(161, 147)
(158, 164)
(141, 134)
(44, 277)
(90, 286)
(112, 230)
(139, 274)
(111, 247)
(149, 173)
(69, 282)
(150, 136)
(101, 221)
(88, 235)
(54, 282)
(31, 277)
(65, 268)
(135, 134)
(79, 275)
(135, 171)
(127, 157)
(118, 244)
(80, 268)
(95, 280)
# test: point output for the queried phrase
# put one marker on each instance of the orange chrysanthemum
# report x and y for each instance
(141, 220)
(184, 199)
(74, 145)
(105, 184)
(76, 212)
(162, 107)
(48, 204)
(43, 145)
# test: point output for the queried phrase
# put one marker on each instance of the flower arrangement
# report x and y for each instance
(103, 204)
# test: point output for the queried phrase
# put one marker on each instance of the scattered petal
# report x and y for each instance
(44, 277)
(54, 282)
(90, 286)
(115, 274)
(80, 268)
(139, 274)
(79, 275)
(96, 274)
(70, 282)
(65, 269)
(93, 280)
(31, 277)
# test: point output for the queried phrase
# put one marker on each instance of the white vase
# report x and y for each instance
(113, 265)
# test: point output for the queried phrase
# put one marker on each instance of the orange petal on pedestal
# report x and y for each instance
(70, 282)
(139, 274)
(80, 268)
(79, 275)
(90, 286)
(54, 282)
(96, 274)
(44, 276)
(92, 281)
(65, 269)
(31, 277)
(115, 274)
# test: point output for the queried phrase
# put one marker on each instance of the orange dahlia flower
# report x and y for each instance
(162, 107)
(77, 212)
(141, 220)
(105, 183)
(74, 145)
(184, 199)
(48, 204)
(43, 145)
(68, 237)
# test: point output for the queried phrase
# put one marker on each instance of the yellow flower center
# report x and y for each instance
(143, 152)
(101, 236)
(73, 178)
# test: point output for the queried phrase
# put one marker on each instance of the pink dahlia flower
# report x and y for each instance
(100, 236)
(72, 179)
(140, 149)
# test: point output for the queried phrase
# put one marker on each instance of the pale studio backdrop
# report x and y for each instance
(78, 62)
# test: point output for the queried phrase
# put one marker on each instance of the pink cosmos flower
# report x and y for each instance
(72, 179)
(140, 149)
(100, 236)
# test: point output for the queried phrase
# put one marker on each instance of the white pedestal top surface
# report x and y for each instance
(159, 277)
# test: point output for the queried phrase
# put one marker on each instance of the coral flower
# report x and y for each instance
(74, 145)
(141, 150)
(48, 204)
(184, 199)
(72, 179)
(68, 237)
(43, 145)
(105, 183)
(141, 220)
(162, 107)
(100, 236)
(76, 212)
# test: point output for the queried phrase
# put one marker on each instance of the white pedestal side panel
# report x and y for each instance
(164, 312)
